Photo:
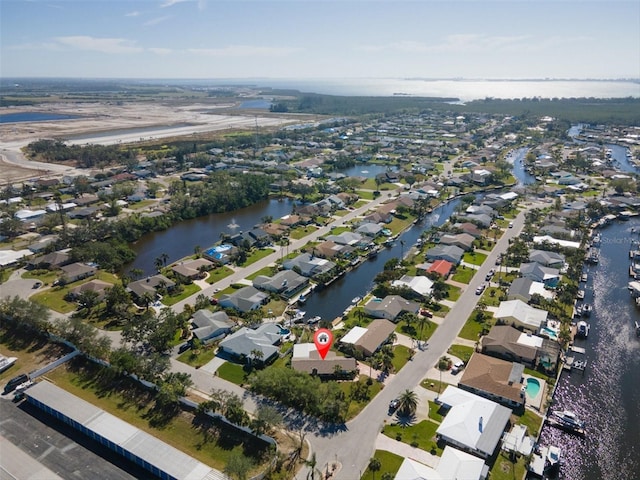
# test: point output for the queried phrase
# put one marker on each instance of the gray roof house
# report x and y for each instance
(547, 259)
(462, 240)
(348, 238)
(309, 265)
(370, 229)
(244, 300)
(539, 273)
(479, 218)
(149, 285)
(507, 342)
(285, 283)
(242, 343)
(450, 253)
(77, 271)
(390, 307)
(524, 288)
(208, 324)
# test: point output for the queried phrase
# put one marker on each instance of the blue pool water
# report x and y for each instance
(549, 332)
(284, 331)
(532, 388)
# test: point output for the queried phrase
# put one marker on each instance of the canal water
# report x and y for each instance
(607, 397)
(179, 240)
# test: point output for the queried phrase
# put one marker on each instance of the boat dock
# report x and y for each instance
(572, 363)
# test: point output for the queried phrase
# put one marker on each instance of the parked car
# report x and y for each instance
(489, 275)
(480, 289)
(393, 405)
(457, 367)
(510, 224)
(38, 284)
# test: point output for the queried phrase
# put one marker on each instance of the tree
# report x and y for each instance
(256, 356)
(136, 273)
(171, 388)
(157, 263)
(311, 464)
(88, 299)
(374, 466)
(197, 251)
(407, 403)
(443, 365)
(267, 418)
(238, 466)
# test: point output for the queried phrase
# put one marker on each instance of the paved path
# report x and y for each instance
(354, 444)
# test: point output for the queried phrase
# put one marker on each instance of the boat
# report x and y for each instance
(580, 294)
(569, 418)
(587, 309)
(583, 329)
(302, 299)
(584, 277)
(6, 362)
(356, 300)
(315, 319)
(298, 316)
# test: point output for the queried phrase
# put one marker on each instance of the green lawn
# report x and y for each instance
(356, 406)
(257, 255)
(413, 330)
(505, 469)
(400, 357)
(474, 258)
(491, 296)
(301, 232)
(453, 293)
(339, 230)
(471, 329)
(141, 204)
(461, 351)
(398, 225)
(531, 420)
(44, 275)
(435, 411)
(390, 462)
(187, 291)
(365, 195)
(53, 297)
(421, 435)
(362, 203)
(232, 372)
(463, 274)
(267, 271)
(437, 387)
(218, 274)
(197, 360)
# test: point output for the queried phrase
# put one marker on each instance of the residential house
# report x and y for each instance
(285, 283)
(509, 343)
(220, 254)
(468, 228)
(462, 240)
(371, 230)
(472, 423)
(495, 379)
(50, 260)
(539, 273)
(481, 176)
(244, 343)
(77, 271)
(389, 307)
(309, 265)
(450, 253)
(547, 258)
(150, 285)
(192, 269)
(441, 267)
(244, 300)
(43, 243)
(349, 238)
(421, 285)
(481, 219)
(329, 249)
(481, 210)
(523, 288)
(369, 340)
(454, 464)
(521, 315)
(208, 325)
(98, 286)
(377, 217)
(307, 359)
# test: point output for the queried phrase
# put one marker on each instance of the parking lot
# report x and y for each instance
(55, 446)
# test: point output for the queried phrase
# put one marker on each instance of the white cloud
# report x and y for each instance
(132, 14)
(455, 43)
(244, 51)
(171, 3)
(160, 51)
(156, 21)
(103, 45)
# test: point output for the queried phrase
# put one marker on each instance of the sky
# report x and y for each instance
(320, 39)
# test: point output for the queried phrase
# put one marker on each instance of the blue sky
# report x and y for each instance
(320, 38)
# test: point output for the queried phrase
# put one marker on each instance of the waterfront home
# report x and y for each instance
(441, 267)
(495, 379)
(77, 271)
(371, 230)
(539, 273)
(520, 315)
(309, 265)
(453, 464)
(349, 238)
(150, 285)
(50, 260)
(208, 325)
(468, 228)
(481, 219)
(523, 288)
(547, 258)
(243, 343)
(509, 343)
(450, 253)
(244, 300)
(370, 339)
(472, 423)
(389, 307)
(421, 285)
(30, 216)
(98, 286)
(192, 269)
(461, 240)
(285, 283)
(307, 359)
(220, 254)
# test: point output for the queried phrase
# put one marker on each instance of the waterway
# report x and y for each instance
(607, 397)
(516, 158)
(179, 240)
(22, 117)
(331, 302)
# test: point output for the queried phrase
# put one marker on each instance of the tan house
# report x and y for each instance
(192, 269)
(368, 340)
(307, 359)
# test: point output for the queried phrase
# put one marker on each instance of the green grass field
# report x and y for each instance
(390, 462)
(422, 435)
(188, 290)
(218, 274)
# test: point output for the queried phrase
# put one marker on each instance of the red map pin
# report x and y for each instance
(323, 340)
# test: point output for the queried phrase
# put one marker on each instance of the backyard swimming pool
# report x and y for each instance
(550, 332)
(533, 387)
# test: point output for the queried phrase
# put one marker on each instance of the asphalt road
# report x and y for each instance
(354, 446)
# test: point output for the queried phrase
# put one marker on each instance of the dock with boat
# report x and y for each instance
(572, 362)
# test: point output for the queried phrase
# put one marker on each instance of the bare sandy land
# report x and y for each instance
(129, 123)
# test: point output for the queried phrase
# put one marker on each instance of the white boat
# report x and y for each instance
(315, 319)
(584, 277)
(587, 309)
(6, 362)
(580, 294)
(583, 329)
(298, 315)
(569, 418)
(355, 300)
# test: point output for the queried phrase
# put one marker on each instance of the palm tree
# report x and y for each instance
(164, 257)
(158, 264)
(374, 466)
(136, 273)
(256, 355)
(408, 403)
(197, 250)
(311, 464)
(443, 364)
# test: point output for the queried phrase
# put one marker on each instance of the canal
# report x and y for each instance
(607, 397)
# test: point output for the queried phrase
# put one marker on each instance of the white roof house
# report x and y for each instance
(549, 239)
(473, 423)
(453, 465)
(520, 314)
(420, 284)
